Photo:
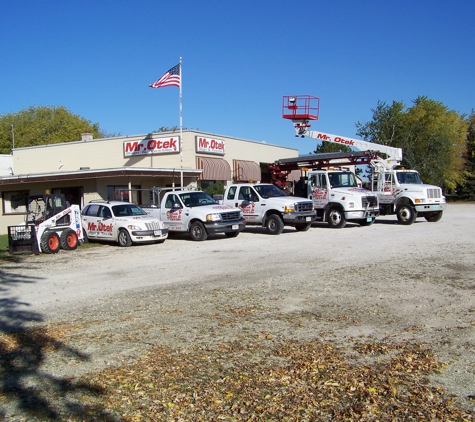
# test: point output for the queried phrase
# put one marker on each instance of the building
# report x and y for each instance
(126, 167)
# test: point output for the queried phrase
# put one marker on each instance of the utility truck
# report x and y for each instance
(332, 186)
(197, 213)
(400, 191)
(266, 205)
(51, 224)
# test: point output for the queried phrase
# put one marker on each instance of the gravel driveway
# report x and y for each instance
(385, 282)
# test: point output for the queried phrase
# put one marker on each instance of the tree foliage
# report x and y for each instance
(466, 190)
(41, 125)
(432, 138)
(331, 147)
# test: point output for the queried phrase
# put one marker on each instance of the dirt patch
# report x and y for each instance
(386, 284)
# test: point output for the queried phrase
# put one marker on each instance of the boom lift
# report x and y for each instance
(400, 191)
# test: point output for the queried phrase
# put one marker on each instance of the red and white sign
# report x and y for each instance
(152, 146)
(209, 145)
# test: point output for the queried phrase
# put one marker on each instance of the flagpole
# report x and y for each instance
(181, 131)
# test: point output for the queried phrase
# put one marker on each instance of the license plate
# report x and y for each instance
(308, 218)
(369, 219)
(157, 232)
(235, 227)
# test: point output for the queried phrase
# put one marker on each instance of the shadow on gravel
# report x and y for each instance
(27, 392)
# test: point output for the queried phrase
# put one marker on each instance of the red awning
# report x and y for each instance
(213, 168)
(245, 171)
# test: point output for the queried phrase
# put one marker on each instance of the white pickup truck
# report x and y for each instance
(197, 213)
(268, 206)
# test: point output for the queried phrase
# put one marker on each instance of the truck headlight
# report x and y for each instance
(289, 208)
(418, 201)
(213, 217)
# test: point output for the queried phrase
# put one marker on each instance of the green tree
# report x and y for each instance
(466, 190)
(331, 147)
(41, 125)
(431, 136)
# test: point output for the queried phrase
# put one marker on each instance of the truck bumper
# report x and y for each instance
(148, 235)
(225, 227)
(430, 207)
(292, 218)
(362, 214)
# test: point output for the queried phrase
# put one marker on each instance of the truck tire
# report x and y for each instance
(336, 218)
(433, 217)
(69, 240)
(232, 234)
(123, 239)
(302, 227)
(50, 242)
(198, 231)
(274, 224)
(406, 214)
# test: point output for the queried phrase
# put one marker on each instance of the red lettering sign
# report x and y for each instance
(152, 146)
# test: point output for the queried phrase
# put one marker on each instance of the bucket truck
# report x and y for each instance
(400, 191)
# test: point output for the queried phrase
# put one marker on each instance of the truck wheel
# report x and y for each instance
(336, 218)
(50, 242)
(198, 231)
(303, 227)
(406, 214)
(274, 224)
(365, 222)
(232, 234)
(124, 238)
(69, 240)
(433, 217)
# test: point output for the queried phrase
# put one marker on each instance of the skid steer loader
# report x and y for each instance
(51, 224)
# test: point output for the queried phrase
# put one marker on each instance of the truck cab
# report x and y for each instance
(197, 213)
(338, 198)
(268, 206)
(403, 193)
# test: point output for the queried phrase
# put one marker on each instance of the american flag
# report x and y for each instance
(170, 78)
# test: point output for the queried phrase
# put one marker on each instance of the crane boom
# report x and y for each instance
(391, 152)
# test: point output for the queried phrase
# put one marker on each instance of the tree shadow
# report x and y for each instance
(27, 391)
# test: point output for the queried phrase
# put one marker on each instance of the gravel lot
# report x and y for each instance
(385, 282)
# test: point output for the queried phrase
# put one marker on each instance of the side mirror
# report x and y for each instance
(176, 205)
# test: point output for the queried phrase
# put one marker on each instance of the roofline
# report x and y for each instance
(94, 174)
(151, 134)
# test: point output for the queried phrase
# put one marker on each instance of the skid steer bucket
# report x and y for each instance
(22, 239)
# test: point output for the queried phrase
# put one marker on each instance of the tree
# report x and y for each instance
(466, 190)
(432, 138)
(43, 125)
(330, 147)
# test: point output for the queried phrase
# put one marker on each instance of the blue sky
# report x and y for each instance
(97, 58)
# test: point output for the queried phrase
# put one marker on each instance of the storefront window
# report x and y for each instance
(15, 202)
(121, 193)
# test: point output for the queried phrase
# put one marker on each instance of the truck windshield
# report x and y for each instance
(342, 179)
(268, 191)
(410, 177)
(196, 199)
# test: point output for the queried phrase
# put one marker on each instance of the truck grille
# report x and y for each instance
(370, 201)
(434, 193)
(230, 216)
(304, 206)
(153, 226)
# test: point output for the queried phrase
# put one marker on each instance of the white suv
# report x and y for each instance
(121, 222)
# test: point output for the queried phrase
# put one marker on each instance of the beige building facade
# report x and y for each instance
(126, 167)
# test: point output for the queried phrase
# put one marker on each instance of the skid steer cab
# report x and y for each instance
(51, 224)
